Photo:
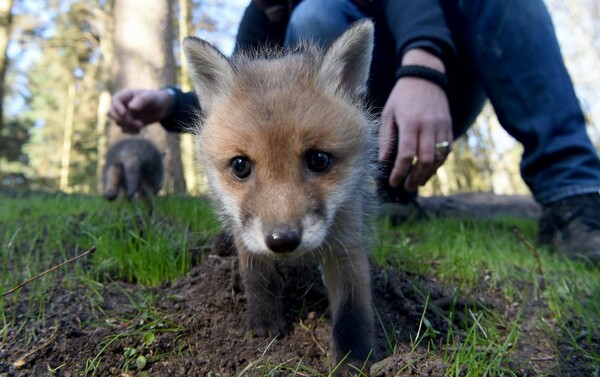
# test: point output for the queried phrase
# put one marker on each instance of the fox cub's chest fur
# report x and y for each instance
(288, 151)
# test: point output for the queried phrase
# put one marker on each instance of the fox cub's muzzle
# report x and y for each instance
(283, 240)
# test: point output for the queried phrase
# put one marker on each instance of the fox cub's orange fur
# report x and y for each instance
(288, 149)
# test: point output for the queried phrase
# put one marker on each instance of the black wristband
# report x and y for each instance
(184, 112)
(423, 72)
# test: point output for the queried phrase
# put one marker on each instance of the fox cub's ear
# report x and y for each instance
(347, 61)
(210, 70)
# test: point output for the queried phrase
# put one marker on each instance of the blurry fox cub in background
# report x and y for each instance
(133, 166)
(288, 150)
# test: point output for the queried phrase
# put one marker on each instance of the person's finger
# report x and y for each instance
(112, 113)
(407, 150)
(142, 101)
(118, 108)
(126, 121)
(424, 167)
(442, 138)
(130, 128)
(387, 133)
(119, 103)
(133, 122)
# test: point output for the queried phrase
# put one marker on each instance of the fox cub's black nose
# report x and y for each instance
(283, 240)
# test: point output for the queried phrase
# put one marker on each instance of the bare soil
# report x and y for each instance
(195, 326)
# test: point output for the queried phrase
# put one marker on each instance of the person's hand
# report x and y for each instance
(133, 109)
(417, 111)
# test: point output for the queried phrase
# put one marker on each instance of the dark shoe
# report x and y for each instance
(572, 226)
(399, 205)
(403, 213)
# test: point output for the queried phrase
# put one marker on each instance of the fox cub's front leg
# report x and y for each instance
(263, 290)
(347, 279)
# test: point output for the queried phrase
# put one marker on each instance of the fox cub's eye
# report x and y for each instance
(240, 167)
(318, 161)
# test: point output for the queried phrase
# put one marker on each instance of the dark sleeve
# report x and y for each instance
(256, 30)
(185, 111)
(419, 24)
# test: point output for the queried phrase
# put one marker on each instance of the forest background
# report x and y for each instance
(60, 61)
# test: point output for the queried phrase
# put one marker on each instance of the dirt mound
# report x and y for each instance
(196, 326)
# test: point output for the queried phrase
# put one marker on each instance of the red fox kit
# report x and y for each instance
(288, 150)
(133, 165)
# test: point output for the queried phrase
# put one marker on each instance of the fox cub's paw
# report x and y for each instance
(111, 193)
(267, 324)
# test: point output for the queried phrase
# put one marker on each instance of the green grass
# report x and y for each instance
(474, 259)
(483, 257)
(140, 334)
(134, 243)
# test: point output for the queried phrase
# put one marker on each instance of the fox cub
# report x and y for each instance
(134, 166)
(288, 150)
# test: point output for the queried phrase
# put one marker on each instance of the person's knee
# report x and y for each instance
(317, 20)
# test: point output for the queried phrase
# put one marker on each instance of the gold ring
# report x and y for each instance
(443, 148)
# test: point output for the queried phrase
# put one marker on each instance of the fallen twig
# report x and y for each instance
(90, 251)
(312, 328)
(543, 358)
(313, 335)
(23, 360)
(535, 253)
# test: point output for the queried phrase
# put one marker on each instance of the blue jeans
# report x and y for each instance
(507, 52)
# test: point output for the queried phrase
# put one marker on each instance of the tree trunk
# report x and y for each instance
(107, 48)
(185, 25)
(101, 128)
(5, 31)
(144, 59)
(194, 173)
(67, 139)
